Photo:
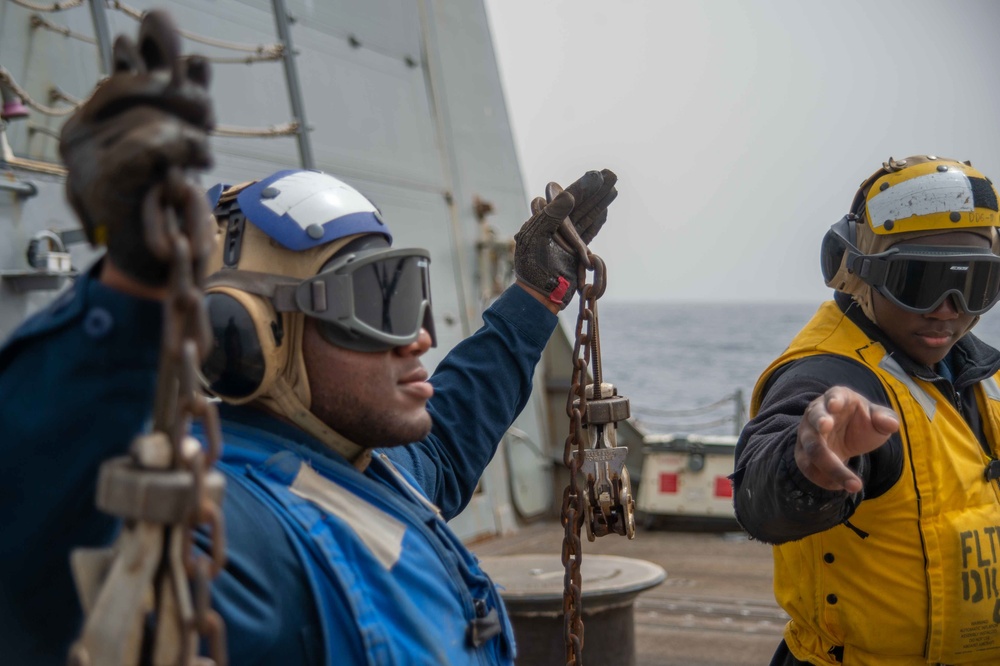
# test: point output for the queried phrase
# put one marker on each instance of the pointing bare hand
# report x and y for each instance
(837, 426)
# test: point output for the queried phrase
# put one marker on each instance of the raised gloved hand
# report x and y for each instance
(147, 124)
(543, 258)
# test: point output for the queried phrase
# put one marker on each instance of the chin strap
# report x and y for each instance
(283, 401)
(864, 299)
(289, 397)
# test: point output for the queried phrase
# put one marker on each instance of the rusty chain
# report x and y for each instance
(186, 341)
(167, 486)
(604, 504)
(572, 508)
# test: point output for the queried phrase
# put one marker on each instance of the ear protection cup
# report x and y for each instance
(247, 352)
(833, 250)
(843, 234)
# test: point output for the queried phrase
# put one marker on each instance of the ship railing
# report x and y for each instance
(650, 419)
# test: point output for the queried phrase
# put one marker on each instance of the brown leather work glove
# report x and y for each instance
(542, 257)
(151, 117)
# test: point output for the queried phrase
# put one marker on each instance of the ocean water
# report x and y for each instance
(669, 358)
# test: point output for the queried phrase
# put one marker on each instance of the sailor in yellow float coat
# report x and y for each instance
(886, 524)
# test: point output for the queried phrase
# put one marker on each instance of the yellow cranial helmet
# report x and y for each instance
(926, 193)
(907, 199)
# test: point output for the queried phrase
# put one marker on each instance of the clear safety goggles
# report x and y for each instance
(371, 300)
(918, 278)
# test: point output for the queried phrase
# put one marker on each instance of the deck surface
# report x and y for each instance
(715, 608)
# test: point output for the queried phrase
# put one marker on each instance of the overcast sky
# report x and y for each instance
(740, 129)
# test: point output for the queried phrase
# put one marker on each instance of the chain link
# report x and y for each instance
(585, 347)
(168, 486)
(186, 243)
(605, 505)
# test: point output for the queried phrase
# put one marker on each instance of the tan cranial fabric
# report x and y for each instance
(288, 395)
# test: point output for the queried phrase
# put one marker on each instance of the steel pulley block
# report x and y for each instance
(608, 408)
(608, 501)
(141, 487)
(609, 505)
(155, 496)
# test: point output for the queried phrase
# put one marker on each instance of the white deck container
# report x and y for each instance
(687, 475)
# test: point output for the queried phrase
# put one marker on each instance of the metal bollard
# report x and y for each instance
(532, 590)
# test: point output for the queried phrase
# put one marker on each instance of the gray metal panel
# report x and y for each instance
(387, 26)
(479, 132)
(20, 219)
(39, 59)
(530, 469)
(245, 95)
(370, 111)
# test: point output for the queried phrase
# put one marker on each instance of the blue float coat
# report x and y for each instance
(76, 384)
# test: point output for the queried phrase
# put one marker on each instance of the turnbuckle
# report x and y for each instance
(609, 504)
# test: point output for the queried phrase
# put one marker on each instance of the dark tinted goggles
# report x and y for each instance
(918, 278)
(371, 300)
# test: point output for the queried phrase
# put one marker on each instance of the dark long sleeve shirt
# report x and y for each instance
(774, 501)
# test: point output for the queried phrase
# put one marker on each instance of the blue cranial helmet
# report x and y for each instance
(304, 243)
(303, 209)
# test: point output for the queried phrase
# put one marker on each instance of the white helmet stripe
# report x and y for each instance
(939, 192)
(307, 197)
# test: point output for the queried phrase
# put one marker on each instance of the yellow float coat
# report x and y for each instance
(922, 586)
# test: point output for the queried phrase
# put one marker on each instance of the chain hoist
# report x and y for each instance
(604, 504)
(146, 598)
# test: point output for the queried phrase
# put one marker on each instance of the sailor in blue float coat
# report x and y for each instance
(343, 459)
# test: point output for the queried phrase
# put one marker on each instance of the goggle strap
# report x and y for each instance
(870, 269)
(329, 299)
(309, 296)
(275, 288)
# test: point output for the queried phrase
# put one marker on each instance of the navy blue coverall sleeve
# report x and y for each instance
(479, 389)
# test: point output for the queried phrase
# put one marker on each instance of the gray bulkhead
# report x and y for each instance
(401, 98)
